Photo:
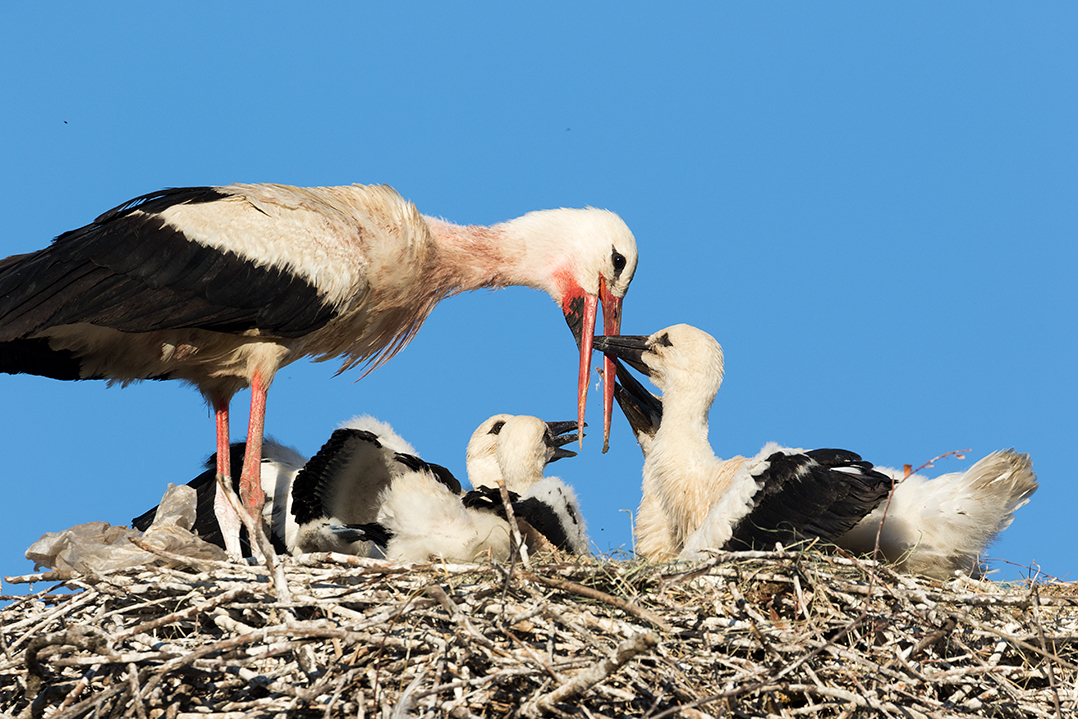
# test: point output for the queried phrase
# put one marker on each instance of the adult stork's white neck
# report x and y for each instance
(580, 257)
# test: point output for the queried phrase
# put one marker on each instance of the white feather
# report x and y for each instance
(942, 525)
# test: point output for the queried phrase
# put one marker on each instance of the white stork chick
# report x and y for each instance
(420, 519)
(692, 500)
(525, 451)
(517, 449)
(344, 482)
(526, 445)
(482, 454)
(944, 525)
(222, 286)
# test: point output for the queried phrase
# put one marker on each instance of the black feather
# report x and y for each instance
(440, 473)
(488, 499)
(820, 494)
(132, 272)
(314, 480)
(544, 519)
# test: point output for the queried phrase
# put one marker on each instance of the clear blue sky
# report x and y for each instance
(871, 206)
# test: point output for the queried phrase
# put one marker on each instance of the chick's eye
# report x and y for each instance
(619, 262)
(497, 428)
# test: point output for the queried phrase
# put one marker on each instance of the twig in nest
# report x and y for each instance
(626, 651)
(613, 601)
(83, 637)
(514, 529)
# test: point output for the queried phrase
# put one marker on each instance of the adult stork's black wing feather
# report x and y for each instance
(132, 271)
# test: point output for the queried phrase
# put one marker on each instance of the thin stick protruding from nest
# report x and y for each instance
(624, 653)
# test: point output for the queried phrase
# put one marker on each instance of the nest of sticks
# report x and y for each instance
(744, 634)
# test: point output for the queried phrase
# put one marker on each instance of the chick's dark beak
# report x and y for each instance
(629, 348)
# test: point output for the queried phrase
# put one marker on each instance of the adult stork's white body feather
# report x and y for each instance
(223, 286)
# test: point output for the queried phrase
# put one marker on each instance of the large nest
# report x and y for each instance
(745, 634)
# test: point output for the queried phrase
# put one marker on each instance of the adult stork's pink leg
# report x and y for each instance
(251, 479)
(220, 411)
(227, 518)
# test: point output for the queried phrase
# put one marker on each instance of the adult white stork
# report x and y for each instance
(222, 286)
(693, 501)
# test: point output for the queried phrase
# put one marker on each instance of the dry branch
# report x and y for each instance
(748, 634)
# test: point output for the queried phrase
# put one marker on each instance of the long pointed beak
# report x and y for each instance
(591, 306)
(625, 347)
(643, 409)
(580, 312)
(611, 326)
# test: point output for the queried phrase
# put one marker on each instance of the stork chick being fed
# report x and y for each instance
(222, 286)
(693, 501)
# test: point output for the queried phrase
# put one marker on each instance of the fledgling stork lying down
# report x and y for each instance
(419, 519)
(222, 286)
(693, 501)
(343, 485)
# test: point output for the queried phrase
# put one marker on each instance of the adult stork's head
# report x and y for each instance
(590, 258)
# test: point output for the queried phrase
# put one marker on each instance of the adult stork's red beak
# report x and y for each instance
(580, 311)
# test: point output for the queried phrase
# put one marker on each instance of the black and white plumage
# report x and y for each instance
(693, 501)
(367, 485)
(343, 484)
(420, 519)
(222, 286)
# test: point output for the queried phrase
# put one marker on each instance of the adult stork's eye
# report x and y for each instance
(619, 262)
